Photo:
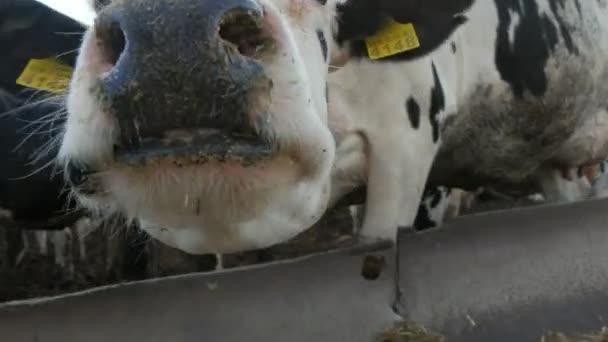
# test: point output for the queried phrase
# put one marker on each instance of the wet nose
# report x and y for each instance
(177, 64)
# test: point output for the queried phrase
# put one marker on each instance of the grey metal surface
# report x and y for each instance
(509, 276)
(320, 298)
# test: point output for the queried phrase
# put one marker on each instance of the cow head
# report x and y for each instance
(206, 120)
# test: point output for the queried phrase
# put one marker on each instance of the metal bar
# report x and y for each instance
(318, 298)
(509, 276)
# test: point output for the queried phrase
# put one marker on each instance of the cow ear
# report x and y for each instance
(434, 22)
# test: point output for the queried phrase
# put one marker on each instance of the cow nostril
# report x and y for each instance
(243, 30)
(110, 39)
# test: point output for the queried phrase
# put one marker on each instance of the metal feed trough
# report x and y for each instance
(502, 276)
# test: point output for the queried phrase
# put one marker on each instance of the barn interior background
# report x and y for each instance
(36, 263)
(45, 252)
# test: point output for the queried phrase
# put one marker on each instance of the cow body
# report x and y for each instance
(513, 97)
(32, 190)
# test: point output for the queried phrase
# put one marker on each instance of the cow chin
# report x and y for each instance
(217, 207)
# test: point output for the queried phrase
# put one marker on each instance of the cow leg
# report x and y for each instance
(600, 183)
(399, 163)
(349, 172)
(600, 188)
(440, 204)
(558, 187)
(433, 208)
(350, 168)
(437, 205)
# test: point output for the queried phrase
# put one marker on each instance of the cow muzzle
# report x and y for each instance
(184, 79)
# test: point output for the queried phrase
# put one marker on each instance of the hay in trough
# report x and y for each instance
(602, 336)
(406, 331)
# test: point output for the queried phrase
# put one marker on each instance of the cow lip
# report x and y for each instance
(197, 147)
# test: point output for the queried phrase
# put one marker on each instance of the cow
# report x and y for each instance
(33, 194)
(206, 121)
(514, 98)
(218, 127)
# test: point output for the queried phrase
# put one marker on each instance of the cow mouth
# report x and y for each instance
(197, 146)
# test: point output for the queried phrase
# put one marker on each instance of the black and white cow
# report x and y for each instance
(515, 96)
(208, 122)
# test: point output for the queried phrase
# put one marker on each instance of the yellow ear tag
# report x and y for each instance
(46, 74)
(392, 39)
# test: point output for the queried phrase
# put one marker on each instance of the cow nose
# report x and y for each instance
(181, 65)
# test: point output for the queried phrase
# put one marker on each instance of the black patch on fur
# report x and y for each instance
(434, 22)
(453, 46)
(423, 219)
(323, 43)
(562, 24)
(326, 93)
(322, 2)
(522, 64)
(413, 112)
(435, 197)
(437, 103)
